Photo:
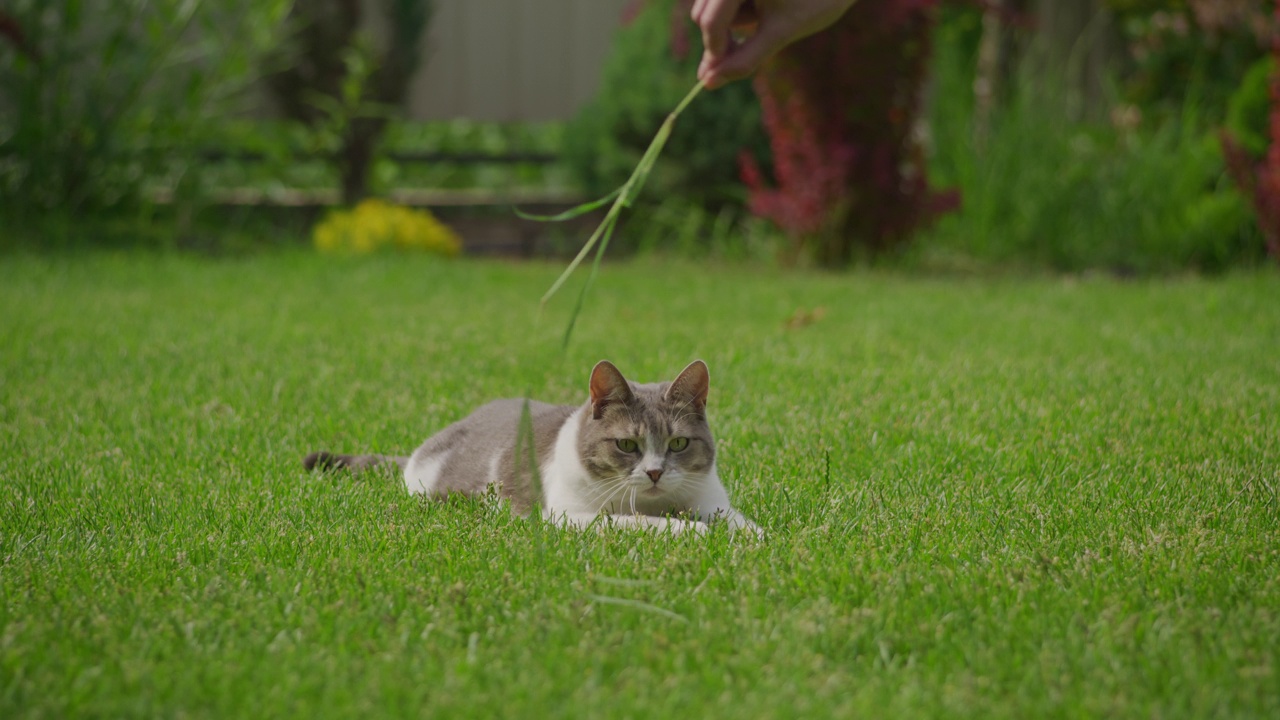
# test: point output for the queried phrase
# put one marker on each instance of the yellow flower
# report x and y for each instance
(377, 225)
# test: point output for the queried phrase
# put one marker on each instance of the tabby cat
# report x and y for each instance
(632, 455)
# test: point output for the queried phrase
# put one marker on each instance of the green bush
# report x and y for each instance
(1249, 109)
(1049, 192)
(1184, 51)
(108, 97)
(653, 65)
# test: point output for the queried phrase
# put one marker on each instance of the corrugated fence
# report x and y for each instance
(513, 60)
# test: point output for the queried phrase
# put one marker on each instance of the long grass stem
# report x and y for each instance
(622, 197)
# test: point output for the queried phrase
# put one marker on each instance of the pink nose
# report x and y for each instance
(653, 475)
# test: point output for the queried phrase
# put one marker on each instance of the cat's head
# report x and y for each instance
(647, 448)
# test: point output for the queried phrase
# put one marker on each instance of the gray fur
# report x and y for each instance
(492, 429)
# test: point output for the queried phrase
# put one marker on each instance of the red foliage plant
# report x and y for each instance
(1260, 181)
(840, 108)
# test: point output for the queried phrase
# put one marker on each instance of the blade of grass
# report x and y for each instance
(605, 225)
(637, 605)
(570, 213)
(525, 452)
(582, 294)
(622, 197)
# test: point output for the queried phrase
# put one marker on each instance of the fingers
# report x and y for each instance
(775, 25)
(705, 73)
(715, 17)
(742, 60)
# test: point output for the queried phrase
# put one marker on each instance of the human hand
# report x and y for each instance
(770, 24)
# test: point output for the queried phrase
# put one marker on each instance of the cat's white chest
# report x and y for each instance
(565, 482)
(569, 491)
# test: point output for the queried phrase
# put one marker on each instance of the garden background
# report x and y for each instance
(987, 290)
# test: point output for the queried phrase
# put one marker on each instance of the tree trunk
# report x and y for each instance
(326, 30)
(356, 156)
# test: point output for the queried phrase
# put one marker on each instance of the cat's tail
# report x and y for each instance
(323, 460)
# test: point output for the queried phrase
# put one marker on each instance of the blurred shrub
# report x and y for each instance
(105, 97)
(1252, 143)
(332, 77)
(1047, 192)
(376, 225)
(1190, 50)
(841, 109)
(652, 66)
(1249, 109)
(677, 226)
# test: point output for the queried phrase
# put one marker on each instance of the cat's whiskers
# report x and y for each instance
(601, 489)
(605, 490)
(602, 496)
(686, 490)
(621, 493)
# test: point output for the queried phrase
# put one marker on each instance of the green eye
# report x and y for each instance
(678, 444)
(627, 445)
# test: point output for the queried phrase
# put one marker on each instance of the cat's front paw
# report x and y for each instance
(736, 521)
(675, 526)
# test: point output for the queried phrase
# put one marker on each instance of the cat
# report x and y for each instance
(633, 455)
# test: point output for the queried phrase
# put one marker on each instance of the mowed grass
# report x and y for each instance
(987, 498)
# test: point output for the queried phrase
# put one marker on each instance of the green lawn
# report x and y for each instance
(983, 497)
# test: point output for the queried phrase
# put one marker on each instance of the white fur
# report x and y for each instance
(421, 476)
(564, 479)
(586, 520)
(568, 500)
(712, 504)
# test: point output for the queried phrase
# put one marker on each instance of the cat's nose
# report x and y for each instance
(653, 475)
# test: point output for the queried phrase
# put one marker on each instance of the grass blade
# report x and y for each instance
(595, 268)
(569, 214)
(526, 454)
(622, 197)
(637, 605)
(605, 226)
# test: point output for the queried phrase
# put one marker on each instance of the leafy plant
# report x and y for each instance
(102, 97)
(337, 81)
(1049, 192)
(1189, 50)
(1249, 109)
(840, 108)
(1259, 177)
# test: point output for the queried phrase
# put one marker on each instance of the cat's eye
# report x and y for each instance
(678, 444)
(627, 445)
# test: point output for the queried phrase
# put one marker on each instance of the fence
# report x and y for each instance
(513, 60)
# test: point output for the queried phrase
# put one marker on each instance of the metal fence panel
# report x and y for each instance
(513, 60)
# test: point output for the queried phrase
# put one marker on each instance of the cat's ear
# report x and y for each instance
(607, 387)
(691, 385)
